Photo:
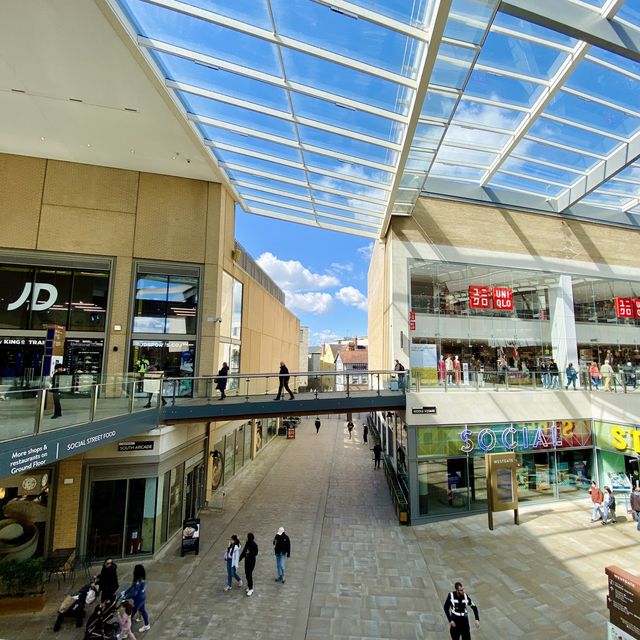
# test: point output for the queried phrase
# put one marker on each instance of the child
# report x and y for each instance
(124, 618)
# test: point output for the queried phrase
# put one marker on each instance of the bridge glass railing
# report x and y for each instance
(28, 411)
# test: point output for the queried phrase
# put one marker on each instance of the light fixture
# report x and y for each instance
(117, 327)
(2, 493)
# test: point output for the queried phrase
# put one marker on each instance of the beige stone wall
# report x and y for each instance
(378, 308)
(441, 222)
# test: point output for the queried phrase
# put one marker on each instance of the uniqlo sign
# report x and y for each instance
(627, 307)
(503, 298)
(479, 297)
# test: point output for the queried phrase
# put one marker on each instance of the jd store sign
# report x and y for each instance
(41, 296)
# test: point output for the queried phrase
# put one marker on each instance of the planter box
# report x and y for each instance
(10, 605)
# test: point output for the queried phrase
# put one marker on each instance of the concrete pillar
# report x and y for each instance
(564, 343)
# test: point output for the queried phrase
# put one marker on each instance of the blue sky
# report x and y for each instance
(323, 273)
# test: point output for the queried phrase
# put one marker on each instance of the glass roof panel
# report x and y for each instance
(452, 66)
(412, 180)
(427, 136)
(348, 168)
(572, 136)
(592, 114)
(626, 64)
(412, 13)
(630, 11)
(602, 82)
(238, 115)
(365, 217)
(349, 146)
(475, 113)
(225, 82)
(512, 54)
(208, 38)
(438, 105)
(252, 11)
(323, 196)
(219, 135)
(606, 200)
(261, 165)
(456, 171)
(258, 181)
(361, 40)
(300, 209)
(418, 160)
(318, 180)
(456, 154)
(331, 113)
(343, 81)
(516, 183)
(548, 153)
(467, 20)
(630, 173)
(620, 187)
(248, 192)
(492, 86)
(519, 25)
(470, 135)
(538, 170)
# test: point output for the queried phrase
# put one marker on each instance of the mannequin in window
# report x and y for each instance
(456, 370)
(442, 370)
(448, 364)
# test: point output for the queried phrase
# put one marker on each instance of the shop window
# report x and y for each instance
(58, 312)
(231, 307)
(239, 450)
(236, 315)
(217, 471)
(166, 304)
(229, 456)
(140, 523)
(175, 499)
(89, 301)
(106, 518)
(12, 284)
(247, 441)
(175, 358)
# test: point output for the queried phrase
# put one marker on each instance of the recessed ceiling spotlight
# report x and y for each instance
(88, 144)
(132, 151)
(42, 138)
(173, 157)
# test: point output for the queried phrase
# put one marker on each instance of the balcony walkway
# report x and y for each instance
(354, 574)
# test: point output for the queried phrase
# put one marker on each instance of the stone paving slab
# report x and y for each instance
(355, 574)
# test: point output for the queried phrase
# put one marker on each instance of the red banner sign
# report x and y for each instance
(503, 298)
(627, 307)
(479, 297)
(412, 325)
(412, 315)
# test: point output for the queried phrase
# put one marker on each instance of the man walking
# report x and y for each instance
(455, 608)
(284, 381)
(350, 428)
(377, 454)
(282, 549)
(317, 424)
(58, 370)
(398, 366)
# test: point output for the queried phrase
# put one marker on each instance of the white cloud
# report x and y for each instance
(351, 297)
(292, 276)
(338, 266)
(310, 302)
(326, 336)
(366, 251)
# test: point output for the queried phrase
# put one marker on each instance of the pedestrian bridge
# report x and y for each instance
(125, 406)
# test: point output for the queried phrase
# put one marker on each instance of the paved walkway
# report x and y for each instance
(355, 574)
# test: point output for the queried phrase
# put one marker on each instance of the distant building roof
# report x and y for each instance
(357, 356)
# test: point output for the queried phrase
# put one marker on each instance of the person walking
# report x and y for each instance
(377, 455)
(554, 373)
(596, 498)
(594, 374)
(249, 554)
(284, 381)
(232, 557)
(572, 376)
(365, 432)
(108, 580)
(317, 424)
(455, 608)
(221, 380)
(350, 428)
(634, 502)
(154, 369)
(609, 507)
(138, 593)
(399, 367)
(606, 371)
(58, 370)
(282, 549)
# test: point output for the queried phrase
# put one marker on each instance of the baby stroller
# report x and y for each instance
(103, 623)
(72, 607)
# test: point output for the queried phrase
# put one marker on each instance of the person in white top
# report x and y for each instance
(232, 558)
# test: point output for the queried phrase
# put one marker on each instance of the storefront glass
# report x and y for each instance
(106, 518)
(175, 499)
(174, 357)
(229, 456)
(140, 522)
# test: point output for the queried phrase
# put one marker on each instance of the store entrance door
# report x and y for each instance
(194, 491)
(443, 486)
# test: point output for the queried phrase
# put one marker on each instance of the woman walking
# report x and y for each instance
(138, 593)
(221, 380)
(232, 557)
(108, 580)
(249, 554)
(609, 506)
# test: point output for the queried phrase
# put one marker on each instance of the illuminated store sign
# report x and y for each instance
(38, 288)
(500, 298)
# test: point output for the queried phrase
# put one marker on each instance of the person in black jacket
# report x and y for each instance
(455, 608)
(221, 380)
(284, 381)
(108, 580)
(249, 554)
(55, 390)
(282, 549)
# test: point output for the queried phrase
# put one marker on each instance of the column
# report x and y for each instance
(564, 343)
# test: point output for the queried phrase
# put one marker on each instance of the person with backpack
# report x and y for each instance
(609, 506)
(455, 608)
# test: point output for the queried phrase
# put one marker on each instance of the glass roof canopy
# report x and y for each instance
(340, 113)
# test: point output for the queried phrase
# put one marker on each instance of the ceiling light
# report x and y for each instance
(42, 138)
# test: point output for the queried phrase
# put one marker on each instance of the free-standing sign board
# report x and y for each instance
(190, 536)
(623, 602)
(501, 484)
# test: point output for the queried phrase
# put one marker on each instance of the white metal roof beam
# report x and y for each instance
(626, 154)
(290, 43)
(427, 62)
(580, 23)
